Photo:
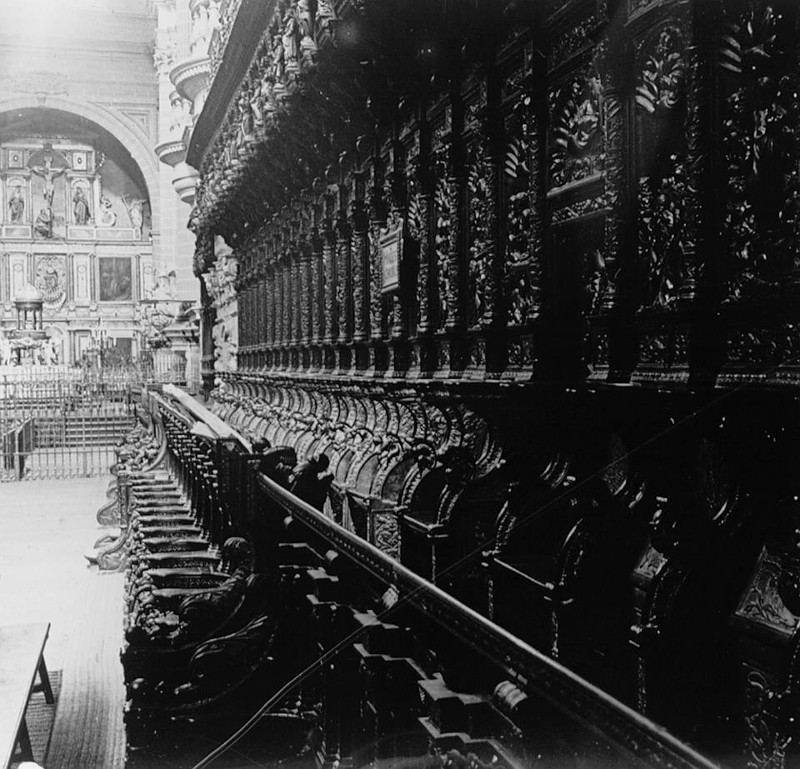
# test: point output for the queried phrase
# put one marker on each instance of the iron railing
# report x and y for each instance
(62, 423)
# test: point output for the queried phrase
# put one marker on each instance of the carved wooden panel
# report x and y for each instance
(661, 173)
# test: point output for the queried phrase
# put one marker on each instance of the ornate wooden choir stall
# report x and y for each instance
(522, 277)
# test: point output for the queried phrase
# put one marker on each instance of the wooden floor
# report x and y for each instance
(45, 529)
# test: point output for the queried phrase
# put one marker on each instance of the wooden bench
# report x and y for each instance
(21, 659)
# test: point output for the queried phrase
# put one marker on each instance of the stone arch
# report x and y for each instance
(132, 138)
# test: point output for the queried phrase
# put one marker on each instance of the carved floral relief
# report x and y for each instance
(663, 186)
(444, 197)
(479, 191)
(761, 112)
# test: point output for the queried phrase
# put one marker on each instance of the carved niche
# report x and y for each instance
(576, 150)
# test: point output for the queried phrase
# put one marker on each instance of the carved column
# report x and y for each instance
(457, 247)
(248, 315)
(613, 60)
(360, 261)
(304, 287)
(288, 312)
(208, 316)
(262, 316)
(395, 187)
(329, 263)
(344, 277)
(318, 322)
(280, 325)
(270, 314)
(707, 337)
(426, 287)
(493, 318)
(377, 218)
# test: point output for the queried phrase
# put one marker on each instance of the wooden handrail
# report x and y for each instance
(596, 710)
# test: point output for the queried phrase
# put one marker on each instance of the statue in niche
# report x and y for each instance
(17, 205)
(48, 174)
(44, 223)
(80, 206)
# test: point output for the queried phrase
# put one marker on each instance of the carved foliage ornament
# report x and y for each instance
(760, 118)
(663, 184)
(479, 191)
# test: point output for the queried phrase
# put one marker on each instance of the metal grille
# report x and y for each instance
(61, 423)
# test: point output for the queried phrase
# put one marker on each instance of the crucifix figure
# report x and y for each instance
(48, 173)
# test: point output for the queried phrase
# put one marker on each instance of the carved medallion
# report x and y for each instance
(51, 280)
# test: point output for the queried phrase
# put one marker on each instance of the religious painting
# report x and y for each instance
(115, 279)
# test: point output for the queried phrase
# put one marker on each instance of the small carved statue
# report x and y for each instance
(5, 351)
(107, 217)
(81, 206)
(44, 223)
(291, 41)
(17, 205)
